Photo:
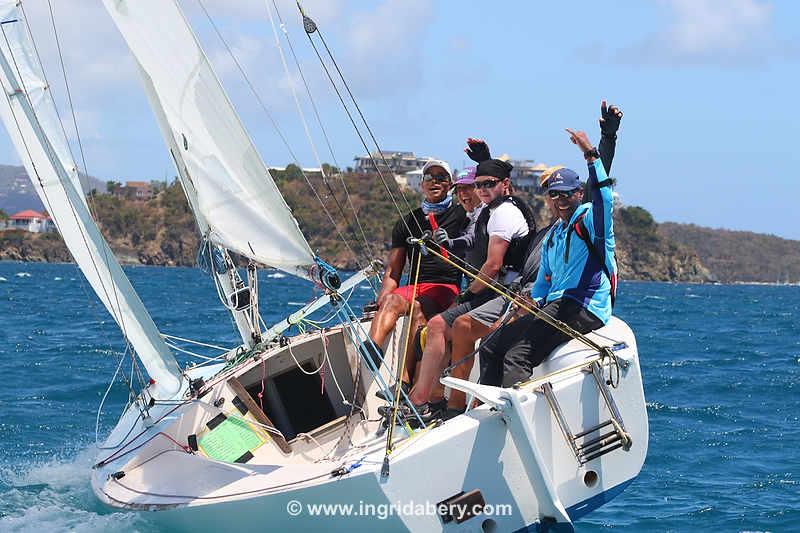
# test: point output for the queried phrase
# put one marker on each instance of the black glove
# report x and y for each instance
(477, 150)
(464, 297)
(441, 237)
(610, 118)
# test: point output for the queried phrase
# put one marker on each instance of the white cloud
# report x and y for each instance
(378, 46)
(385, 46)
(716, 26)
(727, 33)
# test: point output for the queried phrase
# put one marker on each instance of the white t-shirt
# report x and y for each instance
(507, 222)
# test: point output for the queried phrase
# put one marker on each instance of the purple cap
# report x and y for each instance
(563, 179)
(466, 176)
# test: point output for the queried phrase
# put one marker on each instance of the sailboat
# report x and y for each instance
(262, 439)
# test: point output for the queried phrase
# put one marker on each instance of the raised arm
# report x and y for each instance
(610, 117)
(599, 220)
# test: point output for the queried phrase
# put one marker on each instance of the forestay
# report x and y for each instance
(29, 114)
(235, 193)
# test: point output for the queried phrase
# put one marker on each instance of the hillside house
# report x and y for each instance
(30, 220)
(140, 191)
(396, 162)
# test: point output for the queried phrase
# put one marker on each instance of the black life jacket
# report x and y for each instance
(514, 258)
(579, 229)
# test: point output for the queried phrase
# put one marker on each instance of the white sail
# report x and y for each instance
(235, 193)
(243, 325)
(29, 114)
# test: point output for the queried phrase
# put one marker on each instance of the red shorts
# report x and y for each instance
(441, 295)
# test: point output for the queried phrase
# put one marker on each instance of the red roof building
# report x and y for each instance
(30, 220)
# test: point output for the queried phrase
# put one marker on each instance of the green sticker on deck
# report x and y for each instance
(230, 440)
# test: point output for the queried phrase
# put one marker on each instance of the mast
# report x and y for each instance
(29, 114)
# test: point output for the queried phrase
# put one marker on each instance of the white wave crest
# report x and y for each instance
(57, 496)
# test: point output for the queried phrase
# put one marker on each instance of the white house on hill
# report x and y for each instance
(30, 220)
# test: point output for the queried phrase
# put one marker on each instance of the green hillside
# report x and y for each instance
(739, 255)
(162, 231)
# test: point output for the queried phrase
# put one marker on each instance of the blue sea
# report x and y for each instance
(721, 369)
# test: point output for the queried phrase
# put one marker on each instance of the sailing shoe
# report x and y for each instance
(385, 397)
(429, 413)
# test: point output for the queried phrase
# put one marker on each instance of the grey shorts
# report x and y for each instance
(486, 308)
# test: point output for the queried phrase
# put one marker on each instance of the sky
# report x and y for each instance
(708, 137)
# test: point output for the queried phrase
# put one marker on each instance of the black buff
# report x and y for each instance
(495, 168)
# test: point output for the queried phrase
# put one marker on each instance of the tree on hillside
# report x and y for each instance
(329, 170)
(293, 172)
(3, 215)
(112, 186)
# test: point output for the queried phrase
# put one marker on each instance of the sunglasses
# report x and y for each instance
(443, 178)
(562, 194)
(487, 184)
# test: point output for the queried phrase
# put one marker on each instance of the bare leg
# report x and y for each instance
(386, 317)
(434, 359)
(465, 332)
(417, 321)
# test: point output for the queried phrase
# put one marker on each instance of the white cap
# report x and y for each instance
(437, 163)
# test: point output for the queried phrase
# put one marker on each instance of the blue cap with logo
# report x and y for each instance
(563, 179)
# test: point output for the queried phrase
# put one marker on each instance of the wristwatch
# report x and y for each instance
(591, 153)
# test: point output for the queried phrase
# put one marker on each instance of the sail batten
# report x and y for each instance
(29, 114)
(231, 187)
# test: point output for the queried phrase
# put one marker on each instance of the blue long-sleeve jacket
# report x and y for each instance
(581, 278)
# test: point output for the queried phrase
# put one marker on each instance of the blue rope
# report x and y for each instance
(371, 364)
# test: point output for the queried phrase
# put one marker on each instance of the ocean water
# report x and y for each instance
(721, 369)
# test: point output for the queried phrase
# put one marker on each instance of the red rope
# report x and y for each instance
(186, 448)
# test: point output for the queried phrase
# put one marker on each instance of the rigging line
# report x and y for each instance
(193, 354)
(278, 130)
(26, 95)
(535, 311)
(267, 489)
(325, 341)
(355, 339)
(105, 395)
(363, 142)
(44, 74)
(198, 343)
(402, 366)
(38, 176)
(90, 201)
(369, 249)
(39, 59)
(358, 108)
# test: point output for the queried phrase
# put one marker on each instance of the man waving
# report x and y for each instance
(576, 279)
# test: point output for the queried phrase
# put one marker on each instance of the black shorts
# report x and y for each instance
(510, 354)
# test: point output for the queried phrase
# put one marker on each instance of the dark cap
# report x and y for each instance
(563, 179)
(496, 168)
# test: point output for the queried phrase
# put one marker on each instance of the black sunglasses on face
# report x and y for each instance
(562, 194)
(441, 179)
(487, 184)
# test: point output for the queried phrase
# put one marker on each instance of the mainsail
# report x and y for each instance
(234, 192)
(29, 114)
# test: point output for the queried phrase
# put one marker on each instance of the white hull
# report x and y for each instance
(515, 454)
